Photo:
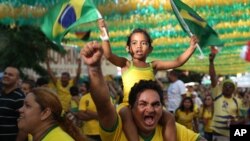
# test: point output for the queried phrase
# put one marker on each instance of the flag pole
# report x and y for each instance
(186, 26)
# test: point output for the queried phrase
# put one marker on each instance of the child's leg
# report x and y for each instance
(128, 124)
(169, 128)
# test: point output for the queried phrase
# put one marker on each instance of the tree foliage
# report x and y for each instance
(25, 47)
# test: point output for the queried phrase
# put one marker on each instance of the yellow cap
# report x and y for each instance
(228, 81)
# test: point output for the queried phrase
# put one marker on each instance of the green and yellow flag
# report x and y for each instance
(67, 15)
(192, 23)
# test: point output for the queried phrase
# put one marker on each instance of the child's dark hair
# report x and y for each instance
(139, 30)
(141, 86)
(74, 91)
(30, 82)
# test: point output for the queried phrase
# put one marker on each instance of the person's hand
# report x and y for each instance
(193, 41)
(101, 24)
(211, 57)
(92, 53)
(104, 31)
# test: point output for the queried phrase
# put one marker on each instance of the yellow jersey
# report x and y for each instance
(90, 127)
(134, 75)
(225, 110)
(57, 134)
(116, 134)
(64, 94)
(207, 116)
(185, 119)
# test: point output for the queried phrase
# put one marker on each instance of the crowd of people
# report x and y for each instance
(136, 109)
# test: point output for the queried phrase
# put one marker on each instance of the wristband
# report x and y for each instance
(105, 37)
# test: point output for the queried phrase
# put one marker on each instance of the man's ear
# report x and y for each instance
(46, 114)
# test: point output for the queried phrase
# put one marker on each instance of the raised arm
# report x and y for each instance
(91, 55)
(212, 72)
(78, 71)
(114, 59)
(182, 59)
(50, 72)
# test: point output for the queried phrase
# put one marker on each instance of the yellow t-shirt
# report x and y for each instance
(216, 91)
(64, 94)
(185, 119)
(184, 134)
(30, 137)
(90, 127)
(73, 106)
(134, 75)
(225, 110)
(116, 134)
(188, 94)
(57, 134)
(207, 115)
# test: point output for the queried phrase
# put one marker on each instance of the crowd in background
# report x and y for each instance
(195, 110)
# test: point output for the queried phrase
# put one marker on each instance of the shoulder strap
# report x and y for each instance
(235, 101)
(217, 97)
(237, 105)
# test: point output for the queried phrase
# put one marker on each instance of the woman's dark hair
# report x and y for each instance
(141, 86)
(139, 30)
(182, 108)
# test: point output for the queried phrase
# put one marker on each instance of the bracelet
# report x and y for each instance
(105, 37)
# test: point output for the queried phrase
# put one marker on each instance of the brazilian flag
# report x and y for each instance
(190, 21)
(66, 15)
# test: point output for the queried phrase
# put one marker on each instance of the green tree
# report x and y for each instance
(25, 47)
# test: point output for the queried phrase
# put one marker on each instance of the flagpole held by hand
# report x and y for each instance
(185, 26)
(202, 56)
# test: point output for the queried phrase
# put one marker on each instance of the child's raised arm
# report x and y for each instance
(182, 59)
(113, 58)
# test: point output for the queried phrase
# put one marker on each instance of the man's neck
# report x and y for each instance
(7, 90)
(174, 80)
(228, 96)
(148, 135)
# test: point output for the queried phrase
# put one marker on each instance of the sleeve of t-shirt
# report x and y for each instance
(216, 91)
(112, 134)
(185, 134)
(82, 103)
(182, 88)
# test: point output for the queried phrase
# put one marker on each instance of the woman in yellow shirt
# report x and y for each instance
(206, 116)
(42, 116)
(187, 115)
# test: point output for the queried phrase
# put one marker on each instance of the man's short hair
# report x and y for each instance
(65, 73)
(175, 73)
(141, 86)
